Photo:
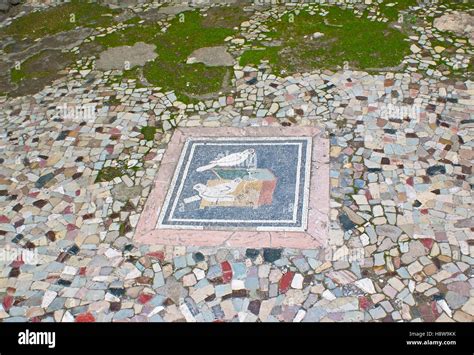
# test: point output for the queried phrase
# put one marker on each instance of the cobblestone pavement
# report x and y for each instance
(400, 245)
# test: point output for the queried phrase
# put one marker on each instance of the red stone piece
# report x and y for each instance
(226, 271)
(285, 282)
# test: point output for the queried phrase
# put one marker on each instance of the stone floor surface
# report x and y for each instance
(399, 241)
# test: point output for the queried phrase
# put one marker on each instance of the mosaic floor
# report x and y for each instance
(129, 200)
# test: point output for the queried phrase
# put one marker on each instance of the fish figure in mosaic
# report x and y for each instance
(230, 160)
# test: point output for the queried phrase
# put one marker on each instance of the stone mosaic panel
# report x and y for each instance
(256, 186)
(224, 183)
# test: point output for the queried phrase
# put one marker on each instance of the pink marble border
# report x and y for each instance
(316, 234)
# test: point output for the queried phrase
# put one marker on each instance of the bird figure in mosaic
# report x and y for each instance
(218, 193)
(230, 160)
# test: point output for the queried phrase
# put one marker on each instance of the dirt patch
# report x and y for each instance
(125, 15)
(44, 55)
(12, 46)
(90, 49)
(5, 85)
(68, 39)
(40, 70)
(152, 16)
(9, 9)
(305, 63)
(225, 17)
(22, 50)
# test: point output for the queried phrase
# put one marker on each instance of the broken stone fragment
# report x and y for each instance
(211, 57)
(461, 23)
(126, 57)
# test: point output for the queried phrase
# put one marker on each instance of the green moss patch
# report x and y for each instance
(108, 174)
(113, 101)
(256, 56)
(170, 71)
(362, 43)
(148, 132)
(392, 12)
(130, 35)
(17, 75)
